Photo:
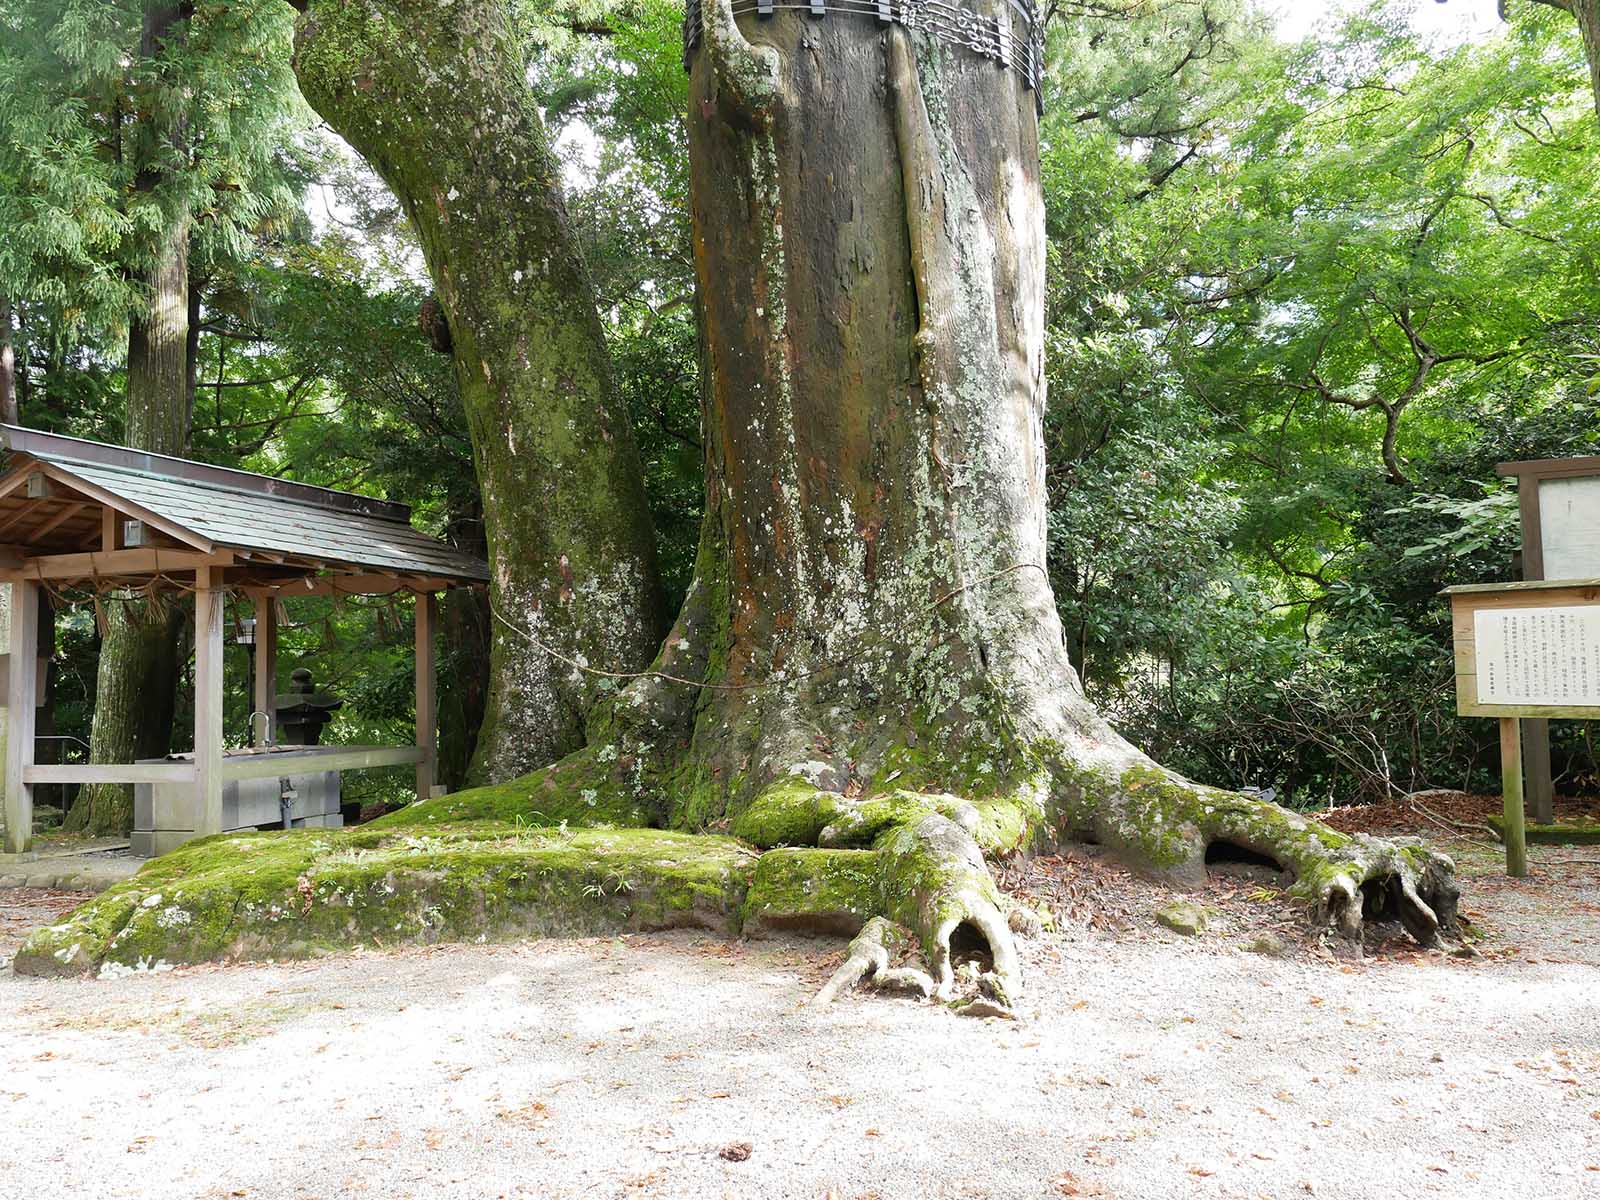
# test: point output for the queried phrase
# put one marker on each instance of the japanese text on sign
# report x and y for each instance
(1538, 656)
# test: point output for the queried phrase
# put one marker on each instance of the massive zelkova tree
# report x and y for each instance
(869, 656)
(435, 98)
(866, 683)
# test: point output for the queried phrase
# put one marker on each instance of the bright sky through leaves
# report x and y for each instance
(1458, 20)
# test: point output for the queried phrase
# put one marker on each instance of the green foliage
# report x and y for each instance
(1301, 300)
(1264, 258)
(103, 148)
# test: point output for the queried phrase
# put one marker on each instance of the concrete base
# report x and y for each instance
(164, 815)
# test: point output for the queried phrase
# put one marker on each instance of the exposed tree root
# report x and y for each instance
(871, 952)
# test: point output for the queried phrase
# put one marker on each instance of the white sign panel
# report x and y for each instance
(1547, 656)
(1569, 527)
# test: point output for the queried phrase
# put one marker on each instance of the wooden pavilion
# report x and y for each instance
(83, 514)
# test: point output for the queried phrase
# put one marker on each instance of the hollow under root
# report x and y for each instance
(935, 882)
(1154, 817)
(935, 890)
(1372, 879)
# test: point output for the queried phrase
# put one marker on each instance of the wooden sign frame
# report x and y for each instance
(1470, 599)
(1466, 602)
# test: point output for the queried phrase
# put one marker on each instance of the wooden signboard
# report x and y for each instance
(1559, 501)
(1525, 650)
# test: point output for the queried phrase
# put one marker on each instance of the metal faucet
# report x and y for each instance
(266, 738)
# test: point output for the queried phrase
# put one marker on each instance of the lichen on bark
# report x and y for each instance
(433, 96)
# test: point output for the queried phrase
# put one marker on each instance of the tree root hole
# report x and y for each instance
(967, 944)
(1230, 858)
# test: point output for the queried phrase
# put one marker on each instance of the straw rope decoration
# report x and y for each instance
(1014, 39)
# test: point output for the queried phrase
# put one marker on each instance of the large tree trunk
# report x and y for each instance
(433, 95)
(875, 653)
(465, 636)
(8, 365)
(137, 675)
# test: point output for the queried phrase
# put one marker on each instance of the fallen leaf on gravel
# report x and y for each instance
(529, 1116)
(735, 1151)
(1068, 1184)
(1201, 1171)
(873, 1133)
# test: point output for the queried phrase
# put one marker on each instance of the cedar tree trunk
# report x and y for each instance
(8, 365)
(875, 655)
(433, 95)
(137, 675)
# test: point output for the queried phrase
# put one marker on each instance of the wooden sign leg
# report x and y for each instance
(1540, 795)
(1511, 783)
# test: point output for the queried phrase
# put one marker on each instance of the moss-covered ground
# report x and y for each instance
(290, 895)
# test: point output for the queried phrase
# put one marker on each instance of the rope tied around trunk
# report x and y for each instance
(1014, 40)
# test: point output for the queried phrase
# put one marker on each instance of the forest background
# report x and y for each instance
(1304, 294)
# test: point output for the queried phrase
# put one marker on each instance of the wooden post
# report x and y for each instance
(207, 701)
(1535, 731)
(427, 694)
(1511, 783)
(21, 714)
(266, 652)
(1541, 794)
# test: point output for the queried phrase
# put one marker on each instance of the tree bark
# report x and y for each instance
(465, 637)
(8, 365)
(433, 96)
(137, 675)
(870, 656)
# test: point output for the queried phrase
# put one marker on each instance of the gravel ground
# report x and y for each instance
(1145, 1065)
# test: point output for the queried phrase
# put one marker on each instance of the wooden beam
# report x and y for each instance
(427, 695)
(352, 585)
(15, 518)
(108, 529)
(178, 772)
(1511, 787)
(266, 652)
(1541, 786)
(208, 603)
(21, 716)
(61, 518)
(115, 563)
(316, 758)
(17, 479)
(155, 520)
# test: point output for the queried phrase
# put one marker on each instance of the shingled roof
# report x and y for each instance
(210, 508)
